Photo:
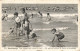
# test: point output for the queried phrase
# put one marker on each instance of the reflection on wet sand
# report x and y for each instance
(58, 44)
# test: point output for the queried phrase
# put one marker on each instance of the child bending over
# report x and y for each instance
(59, 35)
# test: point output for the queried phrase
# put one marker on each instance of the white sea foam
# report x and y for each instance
(45, 15)
(43, 45)
(62, 28)
(58, 28)
(46, 22)
(60, 15)
(36, 29)
(10, 15)
(75, 22)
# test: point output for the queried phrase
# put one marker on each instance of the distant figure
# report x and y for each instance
(11, 31)
(59, 36)
(15, 9)
(5, 16)
(48, 8)
(26, 8)
(18, 23)
(40, 14)
(48, 17)
(32, 15)
(77, 19)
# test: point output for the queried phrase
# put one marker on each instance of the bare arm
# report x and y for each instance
(30, 26)
(53, 38)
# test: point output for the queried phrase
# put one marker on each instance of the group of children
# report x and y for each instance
(24, 27)
(22, 24)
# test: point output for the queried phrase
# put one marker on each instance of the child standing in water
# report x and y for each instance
(18, 23)
(40, 14)
(27, 27)
(48, 17)
(57, 36)
(23, 20)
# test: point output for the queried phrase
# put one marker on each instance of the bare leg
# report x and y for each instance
(16, 31)
(23, 29)
(19, 31)
(59, 40)
(28, 36)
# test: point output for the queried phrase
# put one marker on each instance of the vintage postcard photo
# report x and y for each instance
(40, 25)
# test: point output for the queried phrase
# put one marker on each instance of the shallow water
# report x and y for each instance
(64, 24)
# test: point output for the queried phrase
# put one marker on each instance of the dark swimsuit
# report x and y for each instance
(24, 21)
(18, 25)
(60, 35)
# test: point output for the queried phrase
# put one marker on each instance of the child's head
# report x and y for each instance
(26, 17)
(53, 30)
(15, 14)
(23, 10)
(34, 35)
(4, 11)
(11, 28)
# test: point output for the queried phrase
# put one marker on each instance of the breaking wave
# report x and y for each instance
(58, 28)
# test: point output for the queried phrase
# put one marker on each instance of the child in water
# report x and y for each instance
(11, 31)
(5, 16)
(18, 23)
(28, 26)
(34, 36)
(59, 35)
(48, 17)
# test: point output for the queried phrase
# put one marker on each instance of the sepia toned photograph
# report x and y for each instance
(39, 25)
